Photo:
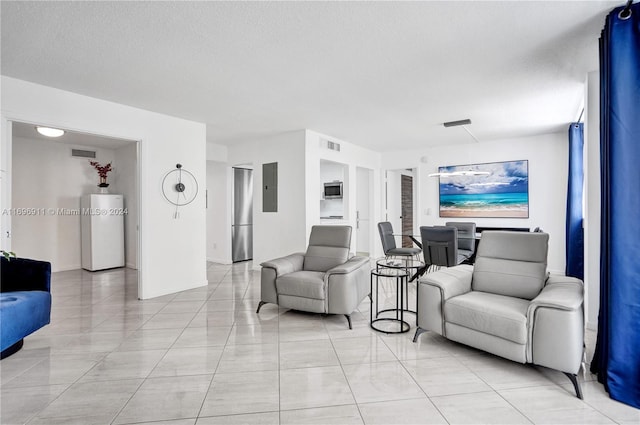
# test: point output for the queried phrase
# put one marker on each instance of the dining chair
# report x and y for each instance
(466, 237)
(389, 243)
(440, 246)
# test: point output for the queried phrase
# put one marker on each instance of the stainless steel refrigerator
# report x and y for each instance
(242, 228)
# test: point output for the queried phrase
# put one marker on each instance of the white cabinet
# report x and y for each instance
(102, 221)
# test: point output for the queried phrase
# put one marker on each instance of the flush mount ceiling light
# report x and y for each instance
(49, 132)
(460, 173)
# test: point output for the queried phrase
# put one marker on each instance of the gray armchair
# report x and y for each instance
(508, 305)
(325, 279)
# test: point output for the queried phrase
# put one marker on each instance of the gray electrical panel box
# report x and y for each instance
(270, 187)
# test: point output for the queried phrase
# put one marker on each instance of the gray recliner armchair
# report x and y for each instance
(508, 305)
(325, 279)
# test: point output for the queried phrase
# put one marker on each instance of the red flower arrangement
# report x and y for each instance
(102, 172)
(102, 169)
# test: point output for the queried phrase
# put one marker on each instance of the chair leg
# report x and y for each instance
(419, 331)
(260, 306)
(576, 384)
(348, 320)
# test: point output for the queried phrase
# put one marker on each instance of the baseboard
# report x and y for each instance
(219, 261)
(160, 294)
(65, 268)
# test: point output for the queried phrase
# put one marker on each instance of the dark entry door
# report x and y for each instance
(406, 189)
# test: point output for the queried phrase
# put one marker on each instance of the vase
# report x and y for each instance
(103, 185)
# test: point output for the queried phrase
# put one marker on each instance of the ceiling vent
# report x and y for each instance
(328, 144)
(79, 153)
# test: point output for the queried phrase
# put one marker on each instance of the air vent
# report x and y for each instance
(328, 144)
(79, 153)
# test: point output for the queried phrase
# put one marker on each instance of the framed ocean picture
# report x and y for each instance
(494, 189)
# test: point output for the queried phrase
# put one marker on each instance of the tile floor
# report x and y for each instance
(204, 357)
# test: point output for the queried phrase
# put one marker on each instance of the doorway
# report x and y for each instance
(400, 205)
(364, 229)
(49, 177)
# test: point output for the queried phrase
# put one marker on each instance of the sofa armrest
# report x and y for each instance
(284, 265)
(561, 292)
(347, 285)
(351, 265)
(451, 281)
(23, 274)
(433, 291)
(556, 325)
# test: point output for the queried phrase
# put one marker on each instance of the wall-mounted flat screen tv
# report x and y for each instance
(494, 189)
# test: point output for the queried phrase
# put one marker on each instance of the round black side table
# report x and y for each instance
(400, 276)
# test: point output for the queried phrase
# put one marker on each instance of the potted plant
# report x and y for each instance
(8, 254)
(102, 170)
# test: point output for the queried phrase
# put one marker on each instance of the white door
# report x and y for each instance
(364, 228)
(394, 202)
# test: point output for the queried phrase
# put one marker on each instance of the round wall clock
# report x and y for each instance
(179, 187)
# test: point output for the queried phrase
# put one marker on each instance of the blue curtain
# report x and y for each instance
(575, 233)
(617, 356)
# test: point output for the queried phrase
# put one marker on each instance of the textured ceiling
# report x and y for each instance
(384, 75)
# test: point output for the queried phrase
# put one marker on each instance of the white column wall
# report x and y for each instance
(592, 198)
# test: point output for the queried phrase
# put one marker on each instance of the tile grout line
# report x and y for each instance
(355, 400)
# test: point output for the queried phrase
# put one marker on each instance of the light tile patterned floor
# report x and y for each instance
(204, 357)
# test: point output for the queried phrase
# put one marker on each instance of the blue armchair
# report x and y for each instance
(25, 301)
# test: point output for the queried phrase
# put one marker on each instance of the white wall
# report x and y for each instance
(216, 152)
(299, 191)
(547, 156)
(592, 199)
(218, 209)
(173, 251)
(352, 156)
(124, 180)
(280, 233)
(48, 179)
(218, 221)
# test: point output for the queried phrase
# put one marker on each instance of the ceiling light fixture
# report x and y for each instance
(49, 132)
(462, 123)
(457, 123)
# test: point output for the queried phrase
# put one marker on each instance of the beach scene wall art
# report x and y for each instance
(495, 189)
